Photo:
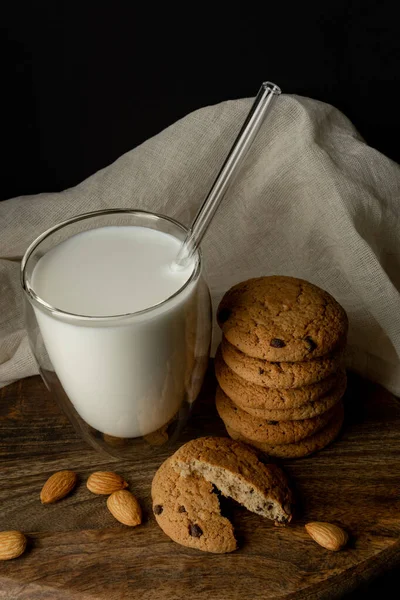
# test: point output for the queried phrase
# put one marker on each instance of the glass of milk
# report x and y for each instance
(120, 337)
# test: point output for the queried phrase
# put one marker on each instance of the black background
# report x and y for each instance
(83, 83)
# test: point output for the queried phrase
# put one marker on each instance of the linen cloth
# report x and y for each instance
(312, 200)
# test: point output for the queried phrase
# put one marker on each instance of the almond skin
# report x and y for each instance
(327, 535)
(125, 508)
(12, 544)
(105, 482)
(58, 486)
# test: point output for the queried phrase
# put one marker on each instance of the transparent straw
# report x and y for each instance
(268, 91)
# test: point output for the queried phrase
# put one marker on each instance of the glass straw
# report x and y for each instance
(267, 92)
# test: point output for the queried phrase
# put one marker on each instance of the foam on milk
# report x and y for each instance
(124, 378)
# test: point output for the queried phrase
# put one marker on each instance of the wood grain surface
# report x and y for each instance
(78, 551)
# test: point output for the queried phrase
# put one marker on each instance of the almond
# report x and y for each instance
(58, 486)
(105, 482)
(12, 544)
(125, 508)
(327, 535)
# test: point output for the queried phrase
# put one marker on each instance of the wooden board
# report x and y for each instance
(78, 551)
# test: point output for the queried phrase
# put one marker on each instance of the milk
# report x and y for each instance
(125, 377)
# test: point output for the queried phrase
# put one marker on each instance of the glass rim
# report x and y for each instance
(53, 310)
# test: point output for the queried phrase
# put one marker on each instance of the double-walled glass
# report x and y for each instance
(126, 381)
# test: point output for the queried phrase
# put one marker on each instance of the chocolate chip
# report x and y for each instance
(259, 509)
(287, 507)
(224, 315)
(277, 343)
(181, 509)
(195, 530)
(251, 491)
(282, 519)
(311, 345)
(270, 506)
(261, 371)
(157, 509)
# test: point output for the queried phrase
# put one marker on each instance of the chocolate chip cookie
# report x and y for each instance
(269, 432)
(188, 511)
(280, 374)
(279, 404)
(237, 472)
(282, 319)
(305, 447)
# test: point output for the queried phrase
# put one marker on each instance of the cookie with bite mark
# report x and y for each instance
(236, 471)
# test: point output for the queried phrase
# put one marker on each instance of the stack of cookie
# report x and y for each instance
(280, 365)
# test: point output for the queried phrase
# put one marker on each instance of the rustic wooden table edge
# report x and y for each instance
(18, 395)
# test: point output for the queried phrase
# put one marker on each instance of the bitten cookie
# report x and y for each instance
(281, 319)
(188, 511)
(280, 374)
(237, 472)
(305, 447)
(279, 404)
(270, 432)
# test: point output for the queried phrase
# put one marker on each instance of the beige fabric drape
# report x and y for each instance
(313, 200)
